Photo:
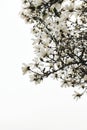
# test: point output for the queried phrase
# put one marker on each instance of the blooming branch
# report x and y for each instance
(60, 30)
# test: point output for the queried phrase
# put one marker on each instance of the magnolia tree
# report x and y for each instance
(60, 42)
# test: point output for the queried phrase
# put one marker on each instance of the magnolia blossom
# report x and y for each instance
(85, 78)
(25, 68)
(37, 2)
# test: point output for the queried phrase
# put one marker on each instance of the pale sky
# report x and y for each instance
(24, 105)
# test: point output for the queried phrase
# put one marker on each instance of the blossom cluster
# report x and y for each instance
(60, 43)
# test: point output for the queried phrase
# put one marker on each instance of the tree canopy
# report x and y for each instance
(60, 41)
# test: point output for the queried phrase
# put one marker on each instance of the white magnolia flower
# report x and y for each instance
(78, 4)
(85, 78)
(79, 21)
(57, 6)
(35, 78)
(25, 68)
(34, 64)
(42, 51)
(68, 6)
(69, 61)
(37, 2)
(31, 77)
(46, 0)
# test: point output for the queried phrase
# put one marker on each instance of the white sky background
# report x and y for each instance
(24, 105)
